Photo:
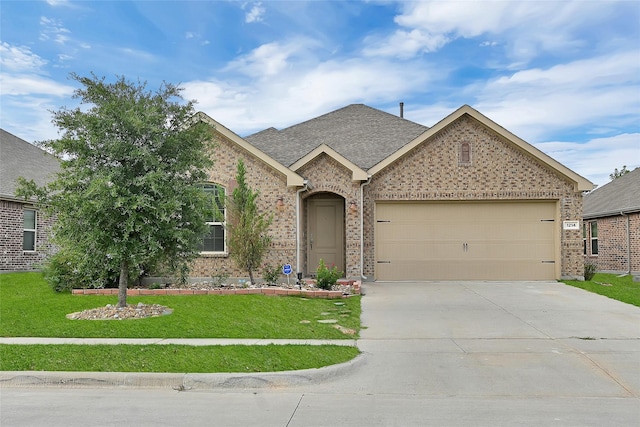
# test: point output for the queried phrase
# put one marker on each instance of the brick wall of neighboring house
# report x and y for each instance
(12, 257)
(613, 250)
(498, 170)
(272, 185)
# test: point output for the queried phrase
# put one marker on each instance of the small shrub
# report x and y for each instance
(590, 270)
(271, 274)
(219, 279)
(156, 285)
(327, 277)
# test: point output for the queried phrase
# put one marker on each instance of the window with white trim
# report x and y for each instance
(29, 234)
(584, 238)
(215, 240)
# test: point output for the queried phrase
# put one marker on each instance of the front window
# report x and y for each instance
(584, 238)
(594, 238)
(215, 239)
(29, 235)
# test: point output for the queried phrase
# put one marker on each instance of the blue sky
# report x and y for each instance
(562, 75)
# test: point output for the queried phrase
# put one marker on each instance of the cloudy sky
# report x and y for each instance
(562, 75)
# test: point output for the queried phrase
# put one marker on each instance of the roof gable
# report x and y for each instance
(293, 179)
(622, 195)
(20, 158)
(580, 183)
(359, 133)
(357, 174)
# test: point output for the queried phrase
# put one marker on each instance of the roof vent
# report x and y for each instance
(402, 109)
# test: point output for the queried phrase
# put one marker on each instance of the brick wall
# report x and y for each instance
(12, 257)
(272, 185)
(613, 250)
(498, 170)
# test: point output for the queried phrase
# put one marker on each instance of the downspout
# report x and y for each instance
(628, 242)
(367, 182)
(298, 234)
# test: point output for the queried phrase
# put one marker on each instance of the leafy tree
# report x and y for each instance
(617, 174)
(248, 240)
(128, 194)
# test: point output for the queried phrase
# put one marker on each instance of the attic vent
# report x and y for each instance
(402, 109)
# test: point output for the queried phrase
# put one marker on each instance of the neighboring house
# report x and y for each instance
(24, 233)
(383, 198)
(611, 227)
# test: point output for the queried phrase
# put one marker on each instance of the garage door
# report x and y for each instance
(466, 241)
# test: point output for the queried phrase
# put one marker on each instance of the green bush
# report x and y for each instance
(271, 274)
(589, 270)
(327, 277)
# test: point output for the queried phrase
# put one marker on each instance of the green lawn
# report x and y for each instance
(170, 358)
(29, 308)
(620, 288)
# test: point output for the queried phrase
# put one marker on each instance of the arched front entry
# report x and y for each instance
(325, 231)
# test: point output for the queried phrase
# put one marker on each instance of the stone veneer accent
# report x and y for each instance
(613, 250)
(12, 257)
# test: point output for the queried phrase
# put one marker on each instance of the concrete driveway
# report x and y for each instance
(526, 353)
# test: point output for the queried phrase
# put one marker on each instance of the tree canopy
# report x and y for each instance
(128, 195)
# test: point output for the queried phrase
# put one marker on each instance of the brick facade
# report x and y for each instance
(614, 253)
(12, 257)
(493, 169)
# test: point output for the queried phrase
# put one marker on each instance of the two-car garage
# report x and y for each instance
(466, 240)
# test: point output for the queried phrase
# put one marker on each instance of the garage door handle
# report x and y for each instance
(383, 262)
(465, 247)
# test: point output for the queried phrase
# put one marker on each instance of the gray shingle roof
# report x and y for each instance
(620, 195)
(19, 158)
(362, 134)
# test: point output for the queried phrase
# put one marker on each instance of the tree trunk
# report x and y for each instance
(122, 283)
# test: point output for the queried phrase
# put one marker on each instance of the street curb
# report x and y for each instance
(178, 381)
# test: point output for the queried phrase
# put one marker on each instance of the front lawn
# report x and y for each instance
(171, 358)
(620, 288)
(29, 308)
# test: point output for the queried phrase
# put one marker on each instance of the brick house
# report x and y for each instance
(24, 233)
(384, 198)
(611, 227)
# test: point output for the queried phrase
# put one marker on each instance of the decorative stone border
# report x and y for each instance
(355, 288)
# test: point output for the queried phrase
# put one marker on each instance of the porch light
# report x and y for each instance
(280, 203)
(352, 206)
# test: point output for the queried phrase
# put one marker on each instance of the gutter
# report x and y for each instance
(367, 182)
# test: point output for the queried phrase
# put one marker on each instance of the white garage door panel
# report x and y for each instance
(465, 241)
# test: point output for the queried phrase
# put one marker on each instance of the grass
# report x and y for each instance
(170, 358)
(610, 285)
(29, 308)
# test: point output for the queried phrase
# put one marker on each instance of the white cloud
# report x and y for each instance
(524, 27)
(266, 60)
(594, 93)
(256, 13)
(53, 29)
(19, 59)
(597, 158)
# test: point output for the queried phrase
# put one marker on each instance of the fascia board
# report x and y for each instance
(293, 179)
(357, 174)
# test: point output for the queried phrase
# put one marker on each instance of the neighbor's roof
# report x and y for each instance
(361, 134)
(622, 195)
(20, 158)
